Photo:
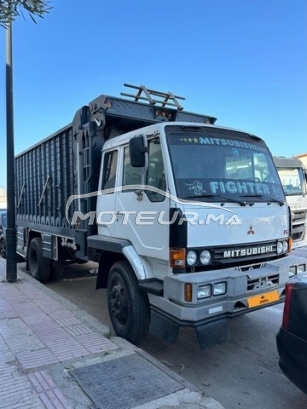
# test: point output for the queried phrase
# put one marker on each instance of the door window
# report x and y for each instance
(109, 170)
(155, 176)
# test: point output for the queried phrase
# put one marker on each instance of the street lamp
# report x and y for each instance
(9, 10)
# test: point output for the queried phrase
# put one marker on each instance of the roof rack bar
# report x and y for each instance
(169, 97)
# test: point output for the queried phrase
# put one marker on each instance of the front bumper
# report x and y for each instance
(247, 290)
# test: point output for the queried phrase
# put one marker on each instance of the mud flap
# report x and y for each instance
(162, 327)
(212, 333)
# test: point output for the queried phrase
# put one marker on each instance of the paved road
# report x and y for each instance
(242, 373)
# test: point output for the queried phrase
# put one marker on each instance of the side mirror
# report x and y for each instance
(137, 148)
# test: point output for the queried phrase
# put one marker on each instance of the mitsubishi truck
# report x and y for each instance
(294, 180)
(187, 220)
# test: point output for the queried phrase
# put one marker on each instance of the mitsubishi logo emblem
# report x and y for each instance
(250, 231)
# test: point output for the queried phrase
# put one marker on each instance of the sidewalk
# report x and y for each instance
(55, 356)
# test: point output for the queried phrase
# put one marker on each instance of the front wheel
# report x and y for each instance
(128, 306)
(39, 266)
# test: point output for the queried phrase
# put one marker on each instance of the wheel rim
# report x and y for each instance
(119, 304)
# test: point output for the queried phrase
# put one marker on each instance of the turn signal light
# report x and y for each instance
(188, 292)
(286, 313)
(290, 243)
(177, 257)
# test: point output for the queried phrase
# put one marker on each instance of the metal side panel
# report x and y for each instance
(21, 240)
(50, 248)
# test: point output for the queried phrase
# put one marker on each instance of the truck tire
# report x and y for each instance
(39, 266)
(128, 307)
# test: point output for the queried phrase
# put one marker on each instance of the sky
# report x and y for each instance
(242, 61)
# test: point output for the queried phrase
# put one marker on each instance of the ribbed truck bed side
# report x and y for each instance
(45, 178)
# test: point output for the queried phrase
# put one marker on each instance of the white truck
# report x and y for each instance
(187, 220)
(294, 180)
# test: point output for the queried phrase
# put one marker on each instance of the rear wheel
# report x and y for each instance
(39, 266)
(128, 306)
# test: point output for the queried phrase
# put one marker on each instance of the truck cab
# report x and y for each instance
(201, 217)
(294, 180)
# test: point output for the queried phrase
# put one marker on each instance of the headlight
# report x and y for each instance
(301, 268)
(204, 291)
(279, 247)
(219, 288)
(205, 257)
(284, 246)
(292, 271)
(191, 258)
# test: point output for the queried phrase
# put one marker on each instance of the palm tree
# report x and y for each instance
(9, 10)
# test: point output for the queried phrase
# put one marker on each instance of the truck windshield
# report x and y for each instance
(293, 181)
(215, 165)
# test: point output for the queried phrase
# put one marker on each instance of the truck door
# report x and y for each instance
(106, 200)
(142, 216)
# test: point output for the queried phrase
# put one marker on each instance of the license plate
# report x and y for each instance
(261, 299)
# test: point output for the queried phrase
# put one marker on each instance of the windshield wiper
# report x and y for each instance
(270, 199)
(233, 200)
(198, 196)
(229, 199)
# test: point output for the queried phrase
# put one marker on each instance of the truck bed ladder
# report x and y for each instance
(145, 94)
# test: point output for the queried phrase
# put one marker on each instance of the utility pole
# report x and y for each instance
(11, 263)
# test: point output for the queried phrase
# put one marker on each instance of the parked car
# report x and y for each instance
(3, 226)
(291, 339)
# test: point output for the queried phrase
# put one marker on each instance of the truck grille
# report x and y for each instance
(223, 255)
(262, 282)
(298, 224)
